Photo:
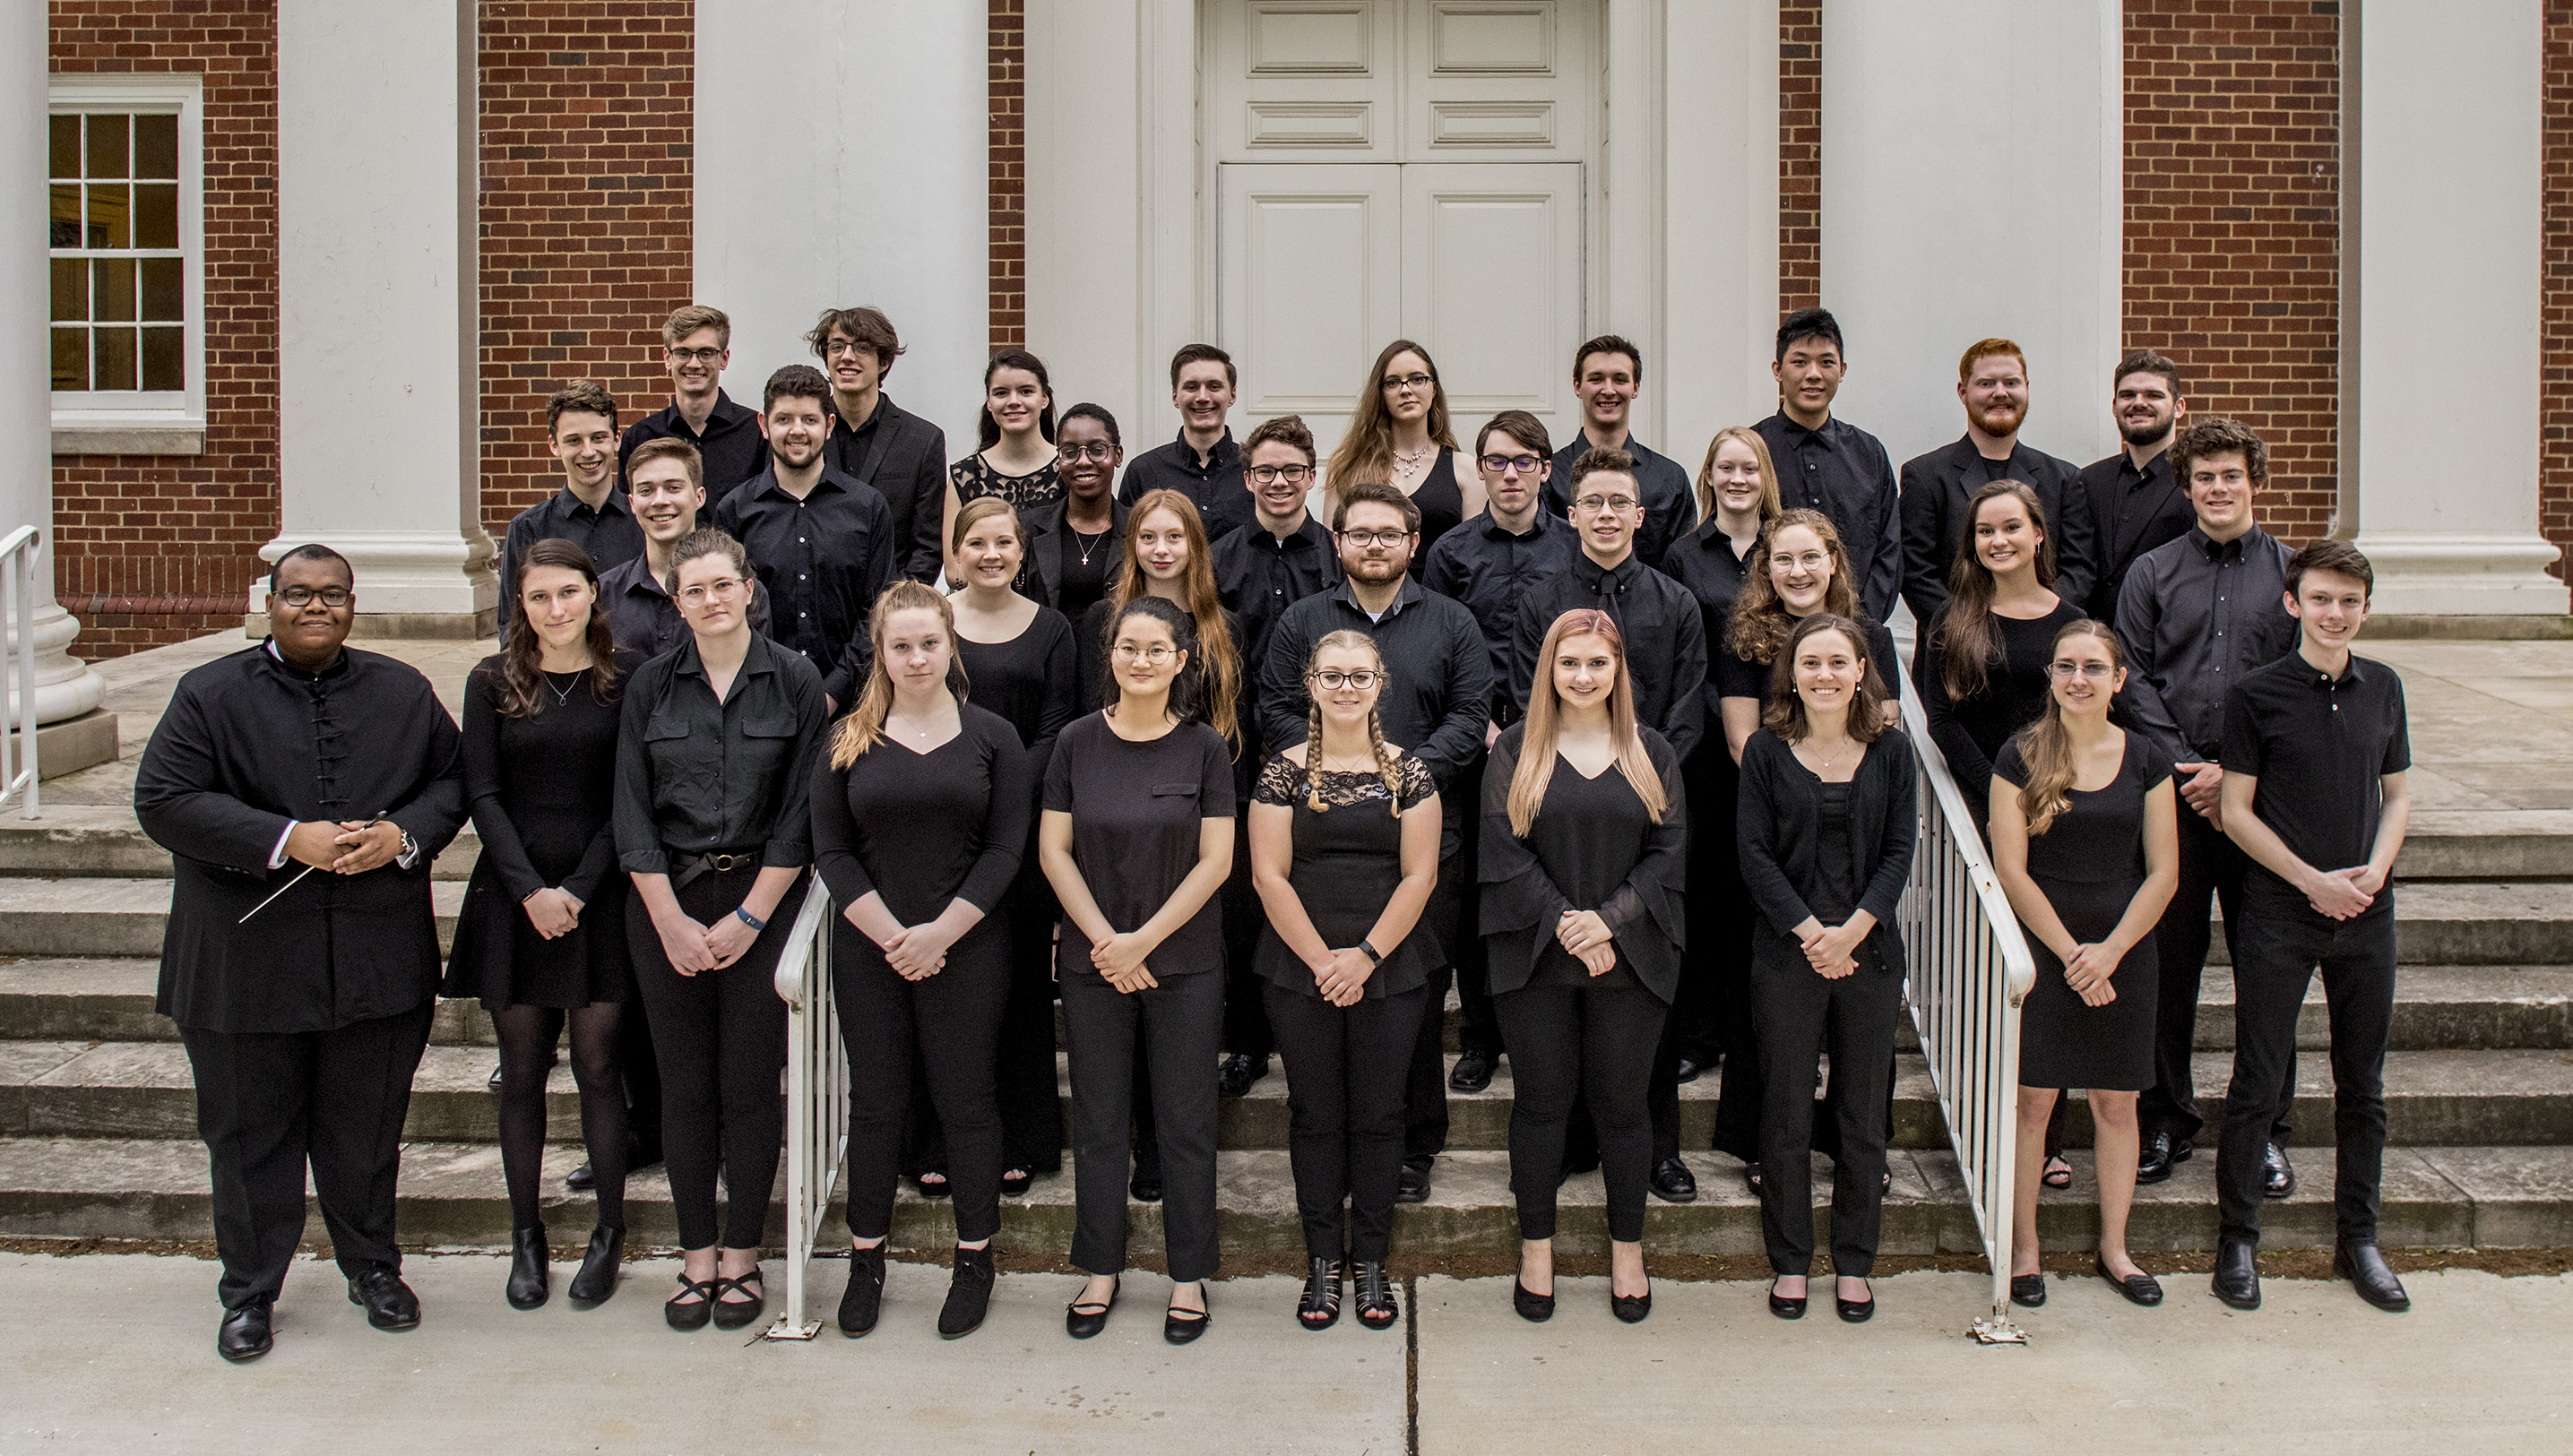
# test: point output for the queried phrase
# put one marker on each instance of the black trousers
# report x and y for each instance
(1245, 1012)
(946, 1027)
(267, 1104)
(1177, 1026)
(1574, 1035)
(1023, 1061)
(1481, 1030)
(2281, 942)
(1800, 1015)
(1425, 1131)
(1712, 1018)
(722, 1035)
(2211, 869)
(640, 1068)
(1346, 1070)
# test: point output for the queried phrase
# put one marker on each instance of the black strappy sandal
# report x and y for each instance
(2058, 1175)
(1377, 1307)
(1319, 1308)
(692, 1314)
(738, 1313)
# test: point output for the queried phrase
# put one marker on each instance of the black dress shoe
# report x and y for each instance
(2160, 1154)
(689, 1308)
(1146, 1190)
(388, 1302)
(494, 1083)
(2277, 1176)
(2237, 1273)
(529, 1257)
(2138, 1287)
(1672, 1182)
(244, 1333)
(1690, 1069)
(860, 1302)
(1082, 1321)
(1534, 1308)
(1473, 1072)
(600, 1266)
(2365, 1268)
(1411, 1184)
(969, 1294)
(1237, 1071)
(1630, 1308)
(2028, 1290)
(1783, 1306)
(581, 1179)
(1183, 1326)
(1856, 1311)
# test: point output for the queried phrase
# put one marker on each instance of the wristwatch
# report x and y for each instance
(1374, 955)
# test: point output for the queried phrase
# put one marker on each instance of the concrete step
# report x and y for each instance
(2457, 922)
(452, 1196)
(84, 841)
(109, 999)
(120, 916)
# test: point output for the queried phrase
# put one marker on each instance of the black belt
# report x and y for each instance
(722, 862)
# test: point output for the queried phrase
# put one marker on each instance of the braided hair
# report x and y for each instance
(1354, 639)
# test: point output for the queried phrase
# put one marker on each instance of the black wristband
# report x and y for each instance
(1374, 955)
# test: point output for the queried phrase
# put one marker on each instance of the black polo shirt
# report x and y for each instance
(1844, 472)
(1670, 506)
(731, 450)
(609, 533)
(1488, 569)
(1215, 484)
(2319, 746)
(641, 614)
(821, 560)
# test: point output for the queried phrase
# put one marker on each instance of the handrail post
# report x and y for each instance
(817, 1099)
(18, 746)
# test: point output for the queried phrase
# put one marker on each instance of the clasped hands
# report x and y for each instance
(1585, 936)
(2342, 894)
(554, 911)
(1342, 976)
(349, 847)
(1119, 961)
(693, 948)
(2088, 971)
(1832, 949)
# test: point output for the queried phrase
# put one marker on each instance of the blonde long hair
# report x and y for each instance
(863, 728)
(1204, 605)
(1544, 714)
(1367, 452)
(1705, 485)
(1354, 638)
(2047, 745)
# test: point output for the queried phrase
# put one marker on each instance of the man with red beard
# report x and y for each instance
(1992, 382)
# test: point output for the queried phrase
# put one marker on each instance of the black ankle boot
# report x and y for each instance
(529, 1254)
(969, 1293)
(865, 1294)
(598, 1267)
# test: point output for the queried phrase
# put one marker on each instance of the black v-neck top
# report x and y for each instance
(922, 829)
(1592, 845)
(1027, 680)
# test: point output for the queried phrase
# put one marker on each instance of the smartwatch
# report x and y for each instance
(1374, 955)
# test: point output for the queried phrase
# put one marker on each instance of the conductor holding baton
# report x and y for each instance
(303, 791)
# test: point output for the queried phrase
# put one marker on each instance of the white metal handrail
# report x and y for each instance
(817, 1099)
(1970, 971)
(18, 742)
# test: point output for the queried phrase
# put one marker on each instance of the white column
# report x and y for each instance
(1090, 249)
(1972, 188)
(841, 153)
(1719, 187)
(65, 685)
(2440, 224)
(378, 321)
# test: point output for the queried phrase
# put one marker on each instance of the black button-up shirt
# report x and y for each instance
(1482, 565)
(821, 560)
(1215, 484)
(2320, 746)
(1258, 576)
(2131, 512)
(1442, 673)
(731, 450)
(1844, 472)
(610, 535)
(1670, 503)
(2195, 616)
(694, 776)
(641, 614)
(1664, 634)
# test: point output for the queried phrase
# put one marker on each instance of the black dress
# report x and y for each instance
(541, 789)
(2090, 863)
(1348, 862)
(974, 478)
(1442, 507)
(1970, 732)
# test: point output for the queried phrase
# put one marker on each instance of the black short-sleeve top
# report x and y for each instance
(1348, 862)
(1136, 810)
(2098, 838)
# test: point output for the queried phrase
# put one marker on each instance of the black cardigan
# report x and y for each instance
(1521, 902)
(1779, 822)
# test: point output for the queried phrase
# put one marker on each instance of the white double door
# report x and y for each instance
(1321, 265)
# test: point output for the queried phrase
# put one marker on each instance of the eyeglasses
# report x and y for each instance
(722, 590)
(1508, 465)
(1272, 474)
(1597, 504)
(695, 356)
(2098, 671)
(1413, 383)
(302, 596)
(838, 347)
(1074, 455)
(1156, 654)
(1810, 561)
(1365, 539)
(1332, 680)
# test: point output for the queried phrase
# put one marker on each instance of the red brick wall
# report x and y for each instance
(1800, 156)
(2555, 402)
(153, 549)
(1009, 173)
(2232, 225)
(587, 178)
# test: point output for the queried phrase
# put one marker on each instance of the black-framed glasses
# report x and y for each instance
(838, 347)
(302, 596)
(1365, 539)
(1331, 679)
(1416, 384)
(1098, 449)
(1508, 465)
(695, 356)
(1272, 474)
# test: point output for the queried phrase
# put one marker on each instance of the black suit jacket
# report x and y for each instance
(905, 459)
(1936, 487)
(1041, 579)
(2125, 528)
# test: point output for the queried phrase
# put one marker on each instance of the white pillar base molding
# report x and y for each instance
(2437, 573)
(66, 687)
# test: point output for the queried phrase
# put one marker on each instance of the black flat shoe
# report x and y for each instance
(1856, 1311)
(244, 1334)
(2364, 1266)
(599, 1264)
(864, 1299)
(1319, 1308)
(969, 1294)
(1377, 1309)
(1672, 1182)
(1534, 1308)
(1785, 1307)
(1236, 1073)
(689, 1308)
(1183, 1326)
(738, 1313)
(1146, 1190)
(1082, 1319)
(388, 1302)
(1630, 1308)
(2237, 1273)
(2028, 1290)
(2160, 1154)
(1689, 1071)
(581, 1179)
(1014, 1184)
(1473, 1072)
(2140, 1288)
(1411, 1184)
(529, 1256)
(2277, 1176)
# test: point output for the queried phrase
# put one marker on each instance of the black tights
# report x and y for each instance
(527, 1036)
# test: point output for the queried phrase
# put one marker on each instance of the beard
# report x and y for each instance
(2000, 418)
(2144, 434)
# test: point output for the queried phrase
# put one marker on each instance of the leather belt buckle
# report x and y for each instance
(725, 864)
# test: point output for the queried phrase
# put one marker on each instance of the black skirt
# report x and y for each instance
(498, 956)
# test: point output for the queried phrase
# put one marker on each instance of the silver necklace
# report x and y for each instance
(563, 695)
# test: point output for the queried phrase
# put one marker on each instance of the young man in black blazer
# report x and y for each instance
(2135, 505)
(877, 442)
(1828, 464)
(1992, 382)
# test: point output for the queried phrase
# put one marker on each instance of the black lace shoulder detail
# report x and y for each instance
(1418, 785)
(1281, 783)
(1284, 783)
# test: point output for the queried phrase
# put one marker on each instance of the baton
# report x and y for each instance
(288, 885)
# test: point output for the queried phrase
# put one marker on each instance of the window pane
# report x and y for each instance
(71, 290)
(156, 146)
(66, 146)
(162, 299)
(160, 365)
(67, 216)
(156, 214)
(110, 215)
(106, 147)
(71, 358)
(113, 358)
(112, 289)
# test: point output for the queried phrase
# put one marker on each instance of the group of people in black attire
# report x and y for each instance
(1260, 756)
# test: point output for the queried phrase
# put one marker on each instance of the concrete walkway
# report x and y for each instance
(114, 1354)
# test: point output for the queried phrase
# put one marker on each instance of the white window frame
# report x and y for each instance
(159, 422)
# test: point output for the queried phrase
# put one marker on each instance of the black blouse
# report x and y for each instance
(1027, 680)
(696, 776)
(1779, 823)
(1591, 847)
(1135, 814)
(924, 829)
(1347, 863)
(974, 478)
(1970, 732)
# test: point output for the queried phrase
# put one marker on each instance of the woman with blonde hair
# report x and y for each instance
(1398, 435)
(1584, 859)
